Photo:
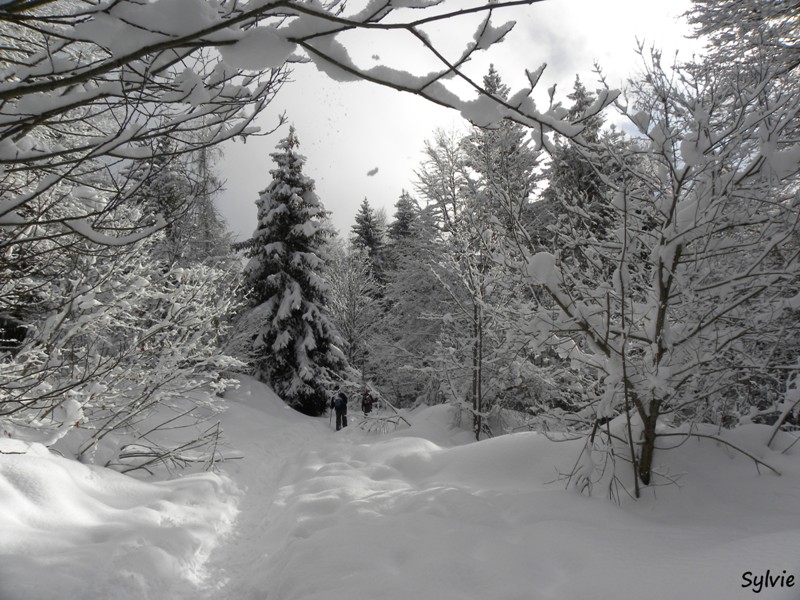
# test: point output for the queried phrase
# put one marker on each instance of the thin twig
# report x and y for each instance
(721, 441)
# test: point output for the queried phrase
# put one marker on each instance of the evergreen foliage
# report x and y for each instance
(406, 214)
(204, 234)
(414, 298)
(503, 161)
(163, 185)
(355, 304)
(181, 188)
(367, 233)
(579, 183)
(570, 175)
(293, 344)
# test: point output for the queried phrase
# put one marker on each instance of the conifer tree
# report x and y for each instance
(406, 213)
(206, 238)
(503, 162)
(163, 186)
(570, 174)
(293, 344)
(367, 232)
(413, 293)
(578, 186)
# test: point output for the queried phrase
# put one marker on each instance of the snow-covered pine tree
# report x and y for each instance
(684, 311)
(573, 181)
(202, 233)
(413, 295)
(503, 161)
(406, 214)
(163, 187)
(355, 306)
(368, 234)
(294, 346)
(180, 188)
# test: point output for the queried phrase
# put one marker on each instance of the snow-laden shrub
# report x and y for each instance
(121, 339)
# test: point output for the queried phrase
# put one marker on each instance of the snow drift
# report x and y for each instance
(309, 513)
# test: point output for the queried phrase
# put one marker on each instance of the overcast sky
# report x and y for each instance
(347, 131)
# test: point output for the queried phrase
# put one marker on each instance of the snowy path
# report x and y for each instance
(346, 515)
(272, 439)
(419, 514)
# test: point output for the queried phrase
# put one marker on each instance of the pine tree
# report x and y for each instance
(367, 232)
(206, 237)
(181, 189)
(413, 292)
(578, 183)
(294, 345)
(406, 214)
(571, 175)
(503, 162)
(163, 187)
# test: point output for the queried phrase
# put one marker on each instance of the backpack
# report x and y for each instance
(339, 401)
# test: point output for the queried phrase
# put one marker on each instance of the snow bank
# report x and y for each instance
(421, 513)
(424, 513)
(73, 531)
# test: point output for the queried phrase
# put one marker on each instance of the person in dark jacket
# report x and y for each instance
(339, 405)
(366, 402)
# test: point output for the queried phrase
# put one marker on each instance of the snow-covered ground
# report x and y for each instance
(309, 513)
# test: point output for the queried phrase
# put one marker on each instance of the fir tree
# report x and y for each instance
(163, 187)
(413, 292)
(367, 233)
(294, 345)
(206, 238)
(571, 175)
(503, 162)
(577, 186)
(406, 214)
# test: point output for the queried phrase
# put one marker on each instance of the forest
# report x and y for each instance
(630, 287)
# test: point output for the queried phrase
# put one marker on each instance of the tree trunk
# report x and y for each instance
(476, 400)
(648, 444)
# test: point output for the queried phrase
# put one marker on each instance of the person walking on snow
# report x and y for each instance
(366, 402)
(339, 405)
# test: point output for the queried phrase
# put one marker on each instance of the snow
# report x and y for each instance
(75, 531)
(414, 3)
(541, 267)
(84, 228)
(259, 48)
(490, 35)
(189, 89)
(425, 512)
(330, 49)
(783, 163)
(126, 26)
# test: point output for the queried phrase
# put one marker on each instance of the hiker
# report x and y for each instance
(339, 404)
(366, 402)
